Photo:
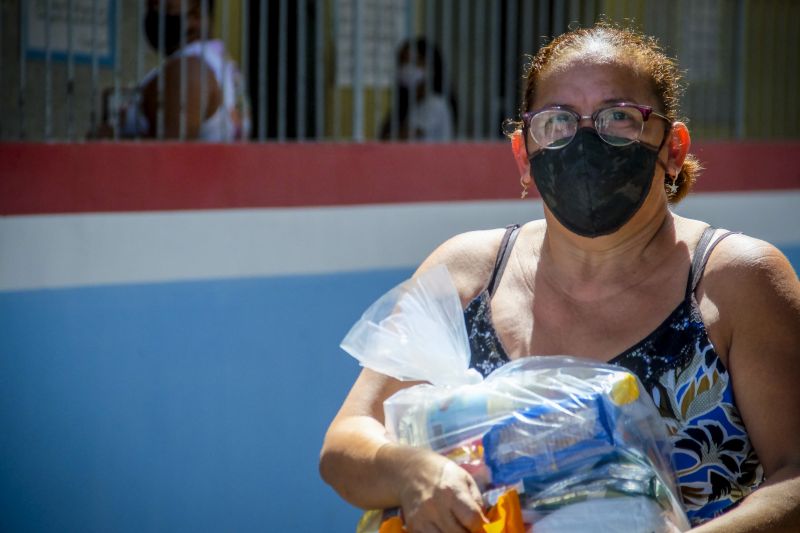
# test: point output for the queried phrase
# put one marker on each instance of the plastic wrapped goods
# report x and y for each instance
(575, 439)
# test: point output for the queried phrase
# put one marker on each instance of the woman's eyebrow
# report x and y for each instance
(607, 101)
(621, 99)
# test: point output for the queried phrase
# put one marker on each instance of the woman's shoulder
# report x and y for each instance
(751, 282)
(741, 259)
(735, 256)
(469, 257)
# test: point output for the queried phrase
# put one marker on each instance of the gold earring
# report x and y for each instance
(525, 184)
(671, 187)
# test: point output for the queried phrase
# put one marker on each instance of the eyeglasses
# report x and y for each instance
(618, 125)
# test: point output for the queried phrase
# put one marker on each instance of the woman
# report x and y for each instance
(431, 117)
(709, 321)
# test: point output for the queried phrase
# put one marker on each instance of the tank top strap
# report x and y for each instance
(503, 253)
(702, 252)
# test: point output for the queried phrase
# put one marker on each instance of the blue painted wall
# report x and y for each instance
(177, 406)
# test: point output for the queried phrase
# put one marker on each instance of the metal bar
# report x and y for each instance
(544, 27)
(160, 79)
(590, 12)
(792, 79)
(93, 90)
(703, 102)
(358, 74)
(205, 18)
(527, 29)
(115, 120)
(446, 48)
(790, 70)
(139, 59)
(225, 6)
(23, 75)
(759, 22)
(478, 79)
(558, 18)
(574, 12)
(319, 94)
(48, 75)
(183, 88)
(709, 102)
(245, 56)
(394, 119)
(431, 39)
(2, 119)
(263, 65)
(282, 60)
(463, 68)
(377, 90)
(412, 59)
(479, 76)
(495, 107)
(510, 59)
(301, 70)
(337, 111)
(779, 99)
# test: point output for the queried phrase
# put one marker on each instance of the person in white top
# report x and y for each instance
(431, 116)
(216, 107)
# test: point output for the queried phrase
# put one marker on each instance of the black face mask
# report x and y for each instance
(172, 31)
(591, 187)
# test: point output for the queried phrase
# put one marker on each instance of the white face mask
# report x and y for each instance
(410, 76)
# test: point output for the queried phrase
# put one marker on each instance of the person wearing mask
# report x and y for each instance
(709, 320)
(430, 117)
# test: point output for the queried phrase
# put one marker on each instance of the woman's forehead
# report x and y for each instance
(589, 80)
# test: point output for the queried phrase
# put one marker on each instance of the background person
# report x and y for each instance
(708, 320)
(221, 114)
(432, 117)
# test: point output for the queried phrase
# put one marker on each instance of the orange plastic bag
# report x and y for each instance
(504, 517)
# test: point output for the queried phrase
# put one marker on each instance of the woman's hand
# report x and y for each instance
(435, 494)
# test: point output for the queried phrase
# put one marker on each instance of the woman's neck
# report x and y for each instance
(586, 269)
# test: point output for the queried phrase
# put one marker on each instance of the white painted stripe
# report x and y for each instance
(772, 216)
(49, 251)
(95, 249)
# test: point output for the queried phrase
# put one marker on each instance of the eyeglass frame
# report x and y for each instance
(645, 110)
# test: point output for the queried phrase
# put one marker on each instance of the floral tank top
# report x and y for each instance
(715, 463)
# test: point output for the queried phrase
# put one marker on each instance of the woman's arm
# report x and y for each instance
(194, 116)
(757, 295)
(369, 471)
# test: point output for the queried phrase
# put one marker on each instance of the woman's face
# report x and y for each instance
(410, 75)
(590, 187)
(588, 85)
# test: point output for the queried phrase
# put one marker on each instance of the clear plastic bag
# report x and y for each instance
(581, 445)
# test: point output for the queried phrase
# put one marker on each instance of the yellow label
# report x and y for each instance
(624, 390)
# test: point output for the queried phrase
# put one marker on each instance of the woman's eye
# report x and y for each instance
(558, 121)
(618, 115)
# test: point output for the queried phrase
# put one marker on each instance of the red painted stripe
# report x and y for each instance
(109, 177)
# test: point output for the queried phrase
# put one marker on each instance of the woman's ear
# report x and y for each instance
(679, 144)
(521, 158)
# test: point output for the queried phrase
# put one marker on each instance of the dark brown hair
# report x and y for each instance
(641, 51)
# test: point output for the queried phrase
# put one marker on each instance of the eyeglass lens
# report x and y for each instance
(555, 128)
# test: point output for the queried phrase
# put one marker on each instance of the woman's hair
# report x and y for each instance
(632, 47)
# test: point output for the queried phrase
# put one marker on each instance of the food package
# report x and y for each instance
(576, 440)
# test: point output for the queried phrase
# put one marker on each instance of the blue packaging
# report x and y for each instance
(545, 442)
